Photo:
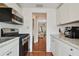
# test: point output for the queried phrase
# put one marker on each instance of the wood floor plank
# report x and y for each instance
(40, 45)
(39, 54)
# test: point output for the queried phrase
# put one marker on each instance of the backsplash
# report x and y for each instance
(62, 27)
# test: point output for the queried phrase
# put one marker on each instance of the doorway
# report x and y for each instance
(39, 28)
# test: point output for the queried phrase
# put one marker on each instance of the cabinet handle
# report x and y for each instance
(71, 49)
(70, 55)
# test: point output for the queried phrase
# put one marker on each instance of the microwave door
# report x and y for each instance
(15, 21)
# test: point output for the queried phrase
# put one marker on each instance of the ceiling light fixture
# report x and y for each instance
(39, 5)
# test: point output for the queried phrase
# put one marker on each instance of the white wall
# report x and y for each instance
(51, 26)
(35, 31)
(51, 22)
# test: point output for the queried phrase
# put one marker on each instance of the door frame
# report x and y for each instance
(46, 30)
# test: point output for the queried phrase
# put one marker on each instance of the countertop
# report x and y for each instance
(4, 39)
(70, 41)
(7, 42)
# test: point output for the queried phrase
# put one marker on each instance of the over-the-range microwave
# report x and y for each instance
(9, 15)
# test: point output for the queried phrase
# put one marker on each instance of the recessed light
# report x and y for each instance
(39, 5)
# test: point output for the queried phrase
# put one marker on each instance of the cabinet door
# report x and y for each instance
(15, 51)
(58, 18)
(7, 49)
(64, 13)
(68, 12)
(63, 51)
(75, 52)
(15, 48)
(58, 47)
(52, 45)
(68, 50)
(73, 11)
(8, 53)
(61, 48)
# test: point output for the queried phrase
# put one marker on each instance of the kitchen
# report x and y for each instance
(16, 25)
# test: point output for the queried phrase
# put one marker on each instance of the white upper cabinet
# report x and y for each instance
(58, 18)
(63, 14)
(68, 12)
(73, 12)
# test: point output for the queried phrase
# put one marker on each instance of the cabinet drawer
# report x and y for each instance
(8, 46)
(69, 50)
(67, 47)
(14, 51)
(5, 48)
(8, 53)
(75, 52)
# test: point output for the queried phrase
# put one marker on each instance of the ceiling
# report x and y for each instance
(40, 5)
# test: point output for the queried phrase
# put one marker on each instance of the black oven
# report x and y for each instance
(72, 32)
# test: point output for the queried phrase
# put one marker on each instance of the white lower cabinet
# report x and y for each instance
(11, 52)
(10, 48)
(52, 48)
(60, 48)
(70, 50)
(55, 46)
(75, 52)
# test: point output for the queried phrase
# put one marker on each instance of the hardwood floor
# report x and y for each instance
(39, 49)
(40, 53)
(40, 45)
